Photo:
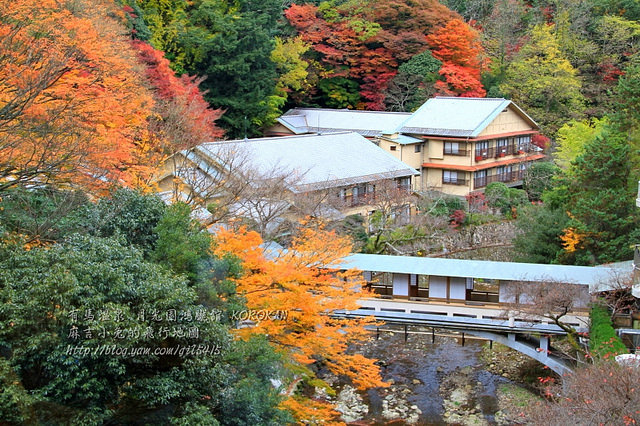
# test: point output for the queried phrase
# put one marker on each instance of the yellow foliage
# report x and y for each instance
(571, 239)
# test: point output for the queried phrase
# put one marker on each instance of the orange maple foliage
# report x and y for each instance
(458, 46)
(304, 282)
(71, 105)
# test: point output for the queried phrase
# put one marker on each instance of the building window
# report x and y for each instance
(504, 174)
(480, 179)
(404, 183)
(392, 147)
(417, 148)
(482, 150)
(453, 177)
(524, 143)
(502, 147)
(455, 148)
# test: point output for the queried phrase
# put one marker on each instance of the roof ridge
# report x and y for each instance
(491, 116)
(349, 110)
(469, 98)
(267, 138)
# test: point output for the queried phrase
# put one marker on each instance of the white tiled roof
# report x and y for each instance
(457, 117)
(597, 278)
(323, 120)
(317, 161)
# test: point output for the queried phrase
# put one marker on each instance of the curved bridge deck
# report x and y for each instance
(531, 339)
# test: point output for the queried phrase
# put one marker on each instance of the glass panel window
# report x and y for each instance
(417, 148)
(523, 142)
(449, 176)
(482, 149)
(501, 147)
(453, 177)
(452, 148)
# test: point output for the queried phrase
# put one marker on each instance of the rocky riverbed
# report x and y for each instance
(436, 384)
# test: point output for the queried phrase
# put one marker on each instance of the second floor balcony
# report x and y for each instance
(500, 151)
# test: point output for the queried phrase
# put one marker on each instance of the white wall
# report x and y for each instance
(438, 287)
(457, 288)
(401, 284)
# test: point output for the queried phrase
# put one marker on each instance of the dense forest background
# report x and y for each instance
(100, 93)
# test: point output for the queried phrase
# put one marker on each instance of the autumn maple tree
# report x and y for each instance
(458, 46)
(71, 107)
(306, 283)
(185, 118)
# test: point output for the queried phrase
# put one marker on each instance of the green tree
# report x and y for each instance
(503, 198)
(128, 213)
(601, 203)
(536, 243)
(231, 43)
(339, 92)
(182, 245)
(40, 215)
(228, 42)
(413, 84)
(573, 136)
(47, 295)
(543, 81)
(539, 178)
(627, 114)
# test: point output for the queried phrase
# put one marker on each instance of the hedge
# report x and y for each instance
(603, 341)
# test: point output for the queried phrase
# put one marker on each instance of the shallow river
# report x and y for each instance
(426, 374)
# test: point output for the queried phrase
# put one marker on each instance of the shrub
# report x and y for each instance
(603, 341)
(445, 206)
(458, 217)
(500, 196)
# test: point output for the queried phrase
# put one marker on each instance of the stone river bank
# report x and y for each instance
(439, 384)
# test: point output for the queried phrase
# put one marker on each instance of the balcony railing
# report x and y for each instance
(501, 151)
(455, 181)
(370, 197)
(461, 152)
(512, 176)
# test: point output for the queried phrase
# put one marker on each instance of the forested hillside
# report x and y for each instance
(96, 94)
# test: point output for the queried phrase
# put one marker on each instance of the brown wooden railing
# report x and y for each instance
(369, 197)
(502, 151)
(461, 152)
(501, 177)
(458, 181)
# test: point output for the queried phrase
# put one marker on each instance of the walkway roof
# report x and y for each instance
(598, 278)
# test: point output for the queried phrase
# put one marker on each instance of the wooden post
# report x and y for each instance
(462, 339)
(377, 332)
(491, 344)
(405, 333)
(433, 335)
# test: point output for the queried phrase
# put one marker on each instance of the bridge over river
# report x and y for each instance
(531, 339)
(474, 296)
